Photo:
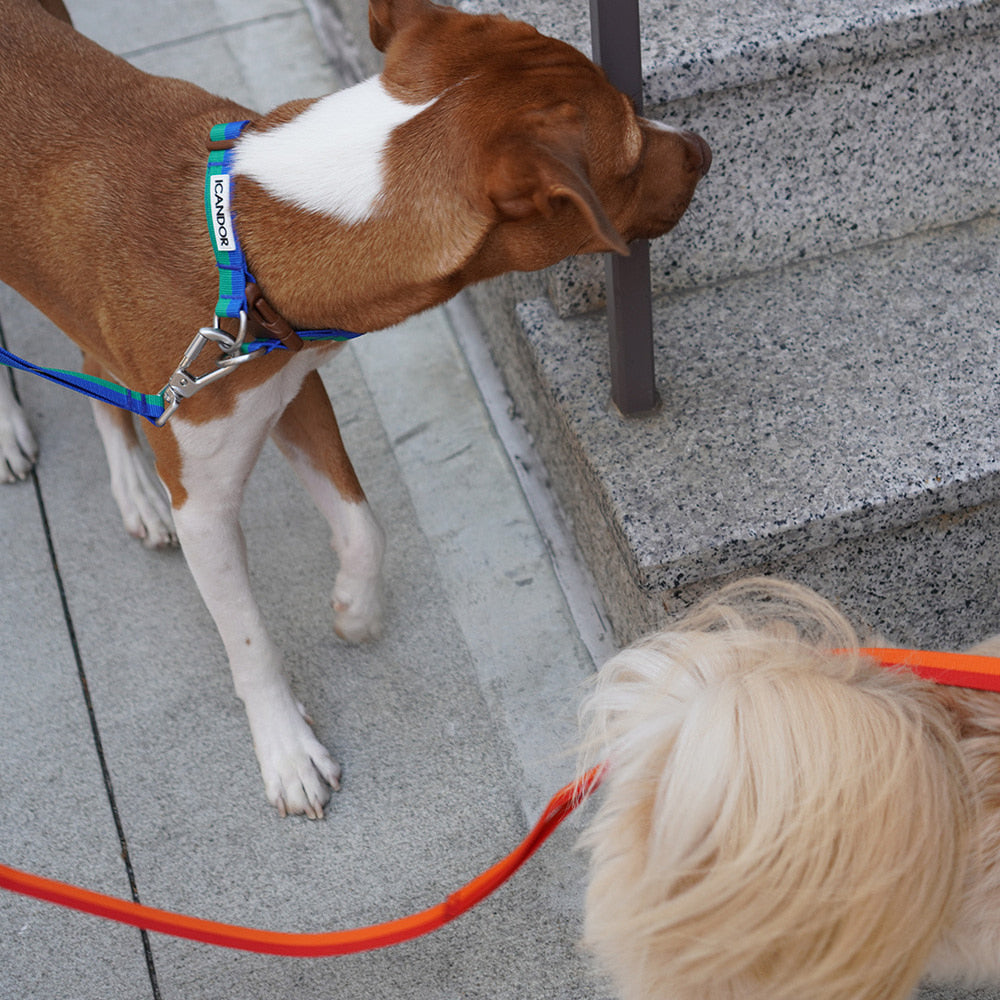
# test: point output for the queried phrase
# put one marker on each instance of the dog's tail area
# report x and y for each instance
(777, 821)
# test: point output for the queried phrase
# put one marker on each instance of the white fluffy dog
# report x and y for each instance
(784, 822)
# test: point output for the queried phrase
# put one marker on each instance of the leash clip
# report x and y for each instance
(183, 384)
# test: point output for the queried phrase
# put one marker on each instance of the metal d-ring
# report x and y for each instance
(217, 335)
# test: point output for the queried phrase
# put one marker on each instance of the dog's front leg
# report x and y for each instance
(134, 486)
(215, 462)
(309, 437)
(18, 450)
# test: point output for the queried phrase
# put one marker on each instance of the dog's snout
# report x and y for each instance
(699, 151)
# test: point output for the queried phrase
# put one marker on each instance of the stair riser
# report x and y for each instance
(931, 585)
(814, 420)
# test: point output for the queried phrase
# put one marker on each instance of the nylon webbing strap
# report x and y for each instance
(229, 256)
(145, 405)
(234, 274)
(345, 942)
(965, 670)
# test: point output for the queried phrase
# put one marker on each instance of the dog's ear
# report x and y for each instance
(386, 17)
(533, 175)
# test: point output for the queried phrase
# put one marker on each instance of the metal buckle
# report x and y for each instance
(183, 384)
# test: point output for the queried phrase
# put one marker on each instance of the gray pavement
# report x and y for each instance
(452, 729)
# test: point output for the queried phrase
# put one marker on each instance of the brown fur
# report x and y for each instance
(527, 155)
(112, 160)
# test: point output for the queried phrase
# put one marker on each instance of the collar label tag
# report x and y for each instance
(220, 213)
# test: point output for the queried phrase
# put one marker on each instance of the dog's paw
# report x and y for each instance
(18, 450)
(357, 609)
(298, 772)
(141, 500)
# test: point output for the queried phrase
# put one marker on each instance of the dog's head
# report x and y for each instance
(483, 147)
(778, 820)
(554, 157)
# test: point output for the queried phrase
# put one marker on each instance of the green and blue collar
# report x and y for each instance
(238, 291)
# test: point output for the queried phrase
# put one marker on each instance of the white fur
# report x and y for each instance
(779, 822)
(296, 768)
(329, 159)
(134, 485)
(359, 543)
(663, 126)
(18, 450)
(218, 457)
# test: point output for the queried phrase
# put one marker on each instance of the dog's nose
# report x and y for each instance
(699, 151)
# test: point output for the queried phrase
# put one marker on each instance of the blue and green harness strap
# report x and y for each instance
(238, 294)
(145, 405)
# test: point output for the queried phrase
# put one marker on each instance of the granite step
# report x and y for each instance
(825, 327)
(835, 421)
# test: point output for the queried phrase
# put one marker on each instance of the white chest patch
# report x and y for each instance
(329, 159)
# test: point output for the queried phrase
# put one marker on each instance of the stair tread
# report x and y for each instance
(701, 46)
(834, 398)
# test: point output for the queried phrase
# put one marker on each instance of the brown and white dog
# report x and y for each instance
(482, 147)
(784, 822)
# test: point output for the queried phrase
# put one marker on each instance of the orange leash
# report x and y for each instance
(967, 670)
(956, 669)
(309, 945)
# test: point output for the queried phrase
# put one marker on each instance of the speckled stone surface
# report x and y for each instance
(699, 46)
(838, 421)
(842, 157)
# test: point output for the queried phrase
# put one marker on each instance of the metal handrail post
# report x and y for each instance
(616, 47)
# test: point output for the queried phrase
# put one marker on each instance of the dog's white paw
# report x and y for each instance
(141, 500)
(18, 450)
(298, 772)
(357, 608)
